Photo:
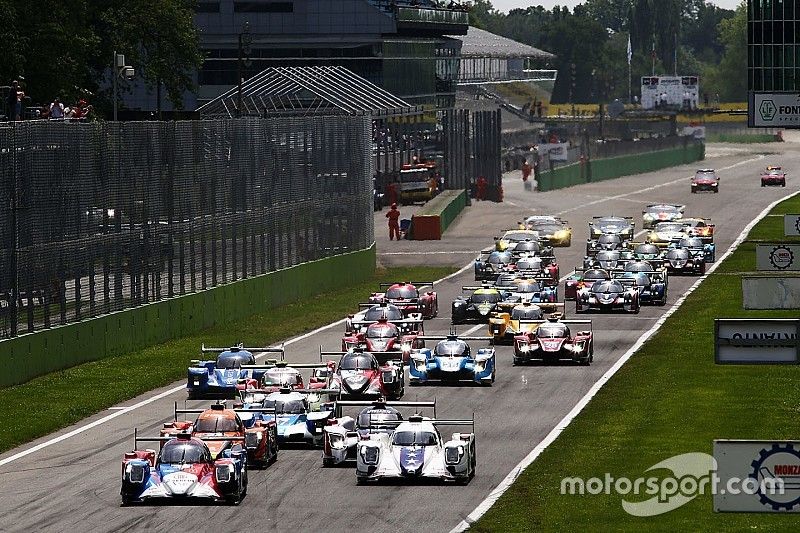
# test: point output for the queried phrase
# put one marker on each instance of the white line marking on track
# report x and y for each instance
(119, 411)
(506, 483)
(116, 408)
(440, 252)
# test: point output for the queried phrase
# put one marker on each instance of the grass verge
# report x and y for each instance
(56, 400)
(741, 138)
(670, 398)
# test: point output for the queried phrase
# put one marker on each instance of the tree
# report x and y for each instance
(729, 79)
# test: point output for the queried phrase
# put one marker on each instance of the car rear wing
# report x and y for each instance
(459, 337)
(322, 354)
(477, 287)
(417, 284)
(137, 439)
(383, 403)
(185, 411)
(678, 207)
(283, 364)
(240, 347)
(404, 322)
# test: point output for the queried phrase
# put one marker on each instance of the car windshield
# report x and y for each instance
(216, 424)
(357, 362)
(662, 209)
(609, 239)
(374, 417)
(669, 227)
(382, 331)
(516, 236)
(177, 452)
(691, 243)
(552, 331)
(705, 175)
(281, 377)
(608, 256)
(546, 228)
(527, 287)
(286, 407)
(529, 264)
(490, 297)
(775, 173)
(590, 275)
(451, 347)
(401, 292)
(607, 287)
(234, 359)
(646, 249)
(639, 266)
(388, 312)
(678, 253)
(498, 259)
(526, 313)
(414, 438)
(609, 224)
(527, 246)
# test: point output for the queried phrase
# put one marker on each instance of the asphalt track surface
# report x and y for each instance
(74, 484)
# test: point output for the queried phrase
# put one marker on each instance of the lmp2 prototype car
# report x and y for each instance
(697, 247)
(608, 260)
(386, 340)
(705, 179)
(612, 225)
(375, 312)
(300, 415)
(416, 450)
(665, 233)
(477, 306)
(646, 251)
(260, 436)
(184, 469)
(407, 296)
(219, 377)
(552, 340)
(655, 213)
(651, 284)
(277, 375)
(774, 175)
(604, 243)
(343, 433)
(360, 375)
(452, 360)
(494, 264)
(610, 295)
(683, 261)
(504, 326)
(583, 279)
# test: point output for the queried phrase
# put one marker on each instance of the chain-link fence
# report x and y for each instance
(96, 218)
(472, 149)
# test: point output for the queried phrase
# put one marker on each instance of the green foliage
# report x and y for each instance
(65, 47)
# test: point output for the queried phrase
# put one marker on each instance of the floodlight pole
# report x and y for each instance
(244, 35)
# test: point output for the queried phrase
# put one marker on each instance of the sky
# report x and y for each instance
(505, 5)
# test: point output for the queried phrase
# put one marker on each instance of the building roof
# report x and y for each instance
(481, 43)
(313, 90)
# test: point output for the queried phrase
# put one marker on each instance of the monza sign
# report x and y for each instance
(768, 470)
(778, 257)
(756, 340)
(791, 225)
(773, 110)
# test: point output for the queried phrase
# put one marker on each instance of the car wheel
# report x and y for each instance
(361, 481)
(126, 501)
(515, 361)
(585, 361)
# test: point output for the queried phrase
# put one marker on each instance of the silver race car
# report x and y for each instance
(416, 450)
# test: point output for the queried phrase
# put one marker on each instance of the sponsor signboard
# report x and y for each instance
(771, 292)
(757, 476)
(791, 225)
(778, 257)
(556, 151)
(773, 110)
(698, 132)
(756, 340)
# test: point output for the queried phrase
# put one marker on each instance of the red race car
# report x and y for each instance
(705, 179)
(407, 296)
(773, 176)
(387, 340)
(583, 278)
(553, 340)
(359, 375)
(261, 440)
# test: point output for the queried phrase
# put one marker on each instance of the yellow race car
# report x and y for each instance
(503, 326)
(551, 229)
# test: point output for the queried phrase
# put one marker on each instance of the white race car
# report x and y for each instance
(416, 450)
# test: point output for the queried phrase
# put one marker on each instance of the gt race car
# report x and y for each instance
(698, 227)
(705, 179)
(416, 450)
(553, 340)
(183, 470)
(773, 176)
(452, 361)
(612, 225)
(359, 375)
(342, 435)
(610, 295)
(655, 213)
(551, 229)
(219, 377)
(407, 296)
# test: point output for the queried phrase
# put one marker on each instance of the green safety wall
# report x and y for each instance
(28, 356)
(430, 222)
(615, 167)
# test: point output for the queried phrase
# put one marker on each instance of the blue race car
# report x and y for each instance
(452, 361)
(300, 415)
(219, 377)
(651, 286)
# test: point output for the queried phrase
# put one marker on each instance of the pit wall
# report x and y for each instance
(430, 222)
(616, 167)
(28, 356)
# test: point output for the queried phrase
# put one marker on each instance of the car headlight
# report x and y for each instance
(453, 454)
(406, 346)
(369, 454)
(714, 184)
(524, 348)
(336, 441)
(134, 473)
(222, 473)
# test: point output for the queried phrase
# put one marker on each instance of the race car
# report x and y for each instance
(698, 227)
(705, 179)
(386, 340)
(184, 469)
(528, 289)
(300, 415)
(651, 284)
(283, 374)
(551, 229)
(646, 251)
(681, 261)
(697, 247)
(219, 377)
(451, 360)
(612, 225)
(408, 297)
(535, 266)
(477, 306)
(342, 435)
(608, 259)
(260, 436)
(374, 312)
(416, 450)
(552, 340)
(655, 213)
(504, 326)
(494, 264)
(665, 233)
(604, 243)
(360, 375)
(581, 279)
(608, 295)
(773, 176)
(508, 242)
